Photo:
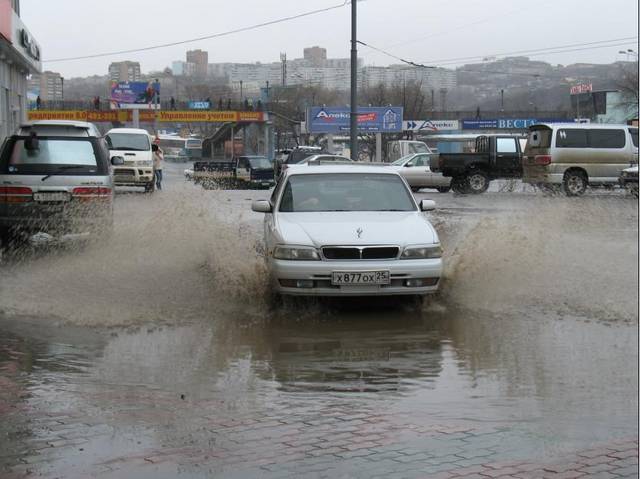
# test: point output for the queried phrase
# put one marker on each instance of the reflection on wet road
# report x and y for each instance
(203, 381)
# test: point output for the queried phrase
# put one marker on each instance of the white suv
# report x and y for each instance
(334, 230)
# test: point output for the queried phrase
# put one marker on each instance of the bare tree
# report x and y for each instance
(628, 86)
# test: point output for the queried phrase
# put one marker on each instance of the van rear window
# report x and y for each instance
(539, 138)
(572, 138)
(601, 138)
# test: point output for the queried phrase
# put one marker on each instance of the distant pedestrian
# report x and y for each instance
(229, 104)
(259, 105)
(38, 102)
(158, 159)
(478, 113)
(220, 104)
(208, 103)
(173, 103)
(96, 103)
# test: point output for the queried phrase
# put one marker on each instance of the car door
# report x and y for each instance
(507, 156)
(243, 172)
(417, 171)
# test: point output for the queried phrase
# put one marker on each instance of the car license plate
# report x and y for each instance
(51, 197)
(360, 277)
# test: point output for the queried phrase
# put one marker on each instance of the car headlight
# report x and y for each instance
(422, 252)
(146, 163)
(296, 253)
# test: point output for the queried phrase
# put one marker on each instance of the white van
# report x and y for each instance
(134, 145)
(397, 149)
(578, 155)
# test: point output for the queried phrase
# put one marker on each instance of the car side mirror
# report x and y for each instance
(261, 206)
(427, 205)
(117, 160)
(407, 165)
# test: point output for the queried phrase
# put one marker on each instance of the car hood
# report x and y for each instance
(341, 228)
(132, 155)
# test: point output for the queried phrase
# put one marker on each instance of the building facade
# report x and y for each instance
(49, 86)
(19, 57)
(124, 71)
(200, 59)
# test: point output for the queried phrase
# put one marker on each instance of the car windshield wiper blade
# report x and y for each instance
(63, 168)
(125, 148)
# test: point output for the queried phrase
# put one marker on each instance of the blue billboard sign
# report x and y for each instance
(134, 94)
(386, 119)
(199, 105)
(504, 123)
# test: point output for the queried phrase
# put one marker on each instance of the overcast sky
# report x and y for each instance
(417, 30)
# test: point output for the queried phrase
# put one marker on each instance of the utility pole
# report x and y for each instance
(241, 95)
(283, 60)
(502, 99)
(156, 98)
(353, 124)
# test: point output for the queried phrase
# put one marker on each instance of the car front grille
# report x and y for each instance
(360, 252)
(123, 172)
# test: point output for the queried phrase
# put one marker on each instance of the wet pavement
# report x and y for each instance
(161, 354)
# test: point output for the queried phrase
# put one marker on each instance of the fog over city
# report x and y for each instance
(440, 33)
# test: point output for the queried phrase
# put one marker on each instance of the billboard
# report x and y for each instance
(199, 105)
(582, 88)
(134, 95)
(386, 119)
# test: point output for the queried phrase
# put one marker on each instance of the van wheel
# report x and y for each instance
(477, 182)
(574, 183)
(443, 189)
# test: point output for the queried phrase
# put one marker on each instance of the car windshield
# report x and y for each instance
(260, 163)
(53, 152)
(128, 141)
(401, 161)
(345, 192)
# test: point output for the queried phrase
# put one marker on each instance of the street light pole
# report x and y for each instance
(354, 82)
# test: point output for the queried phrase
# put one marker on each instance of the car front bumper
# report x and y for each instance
(320, 273)
(132, 175)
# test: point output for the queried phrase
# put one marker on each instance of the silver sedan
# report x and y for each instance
(415, 169)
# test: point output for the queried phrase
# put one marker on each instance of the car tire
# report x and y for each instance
(443, 189)
(477, 182)
(458, 185)
(574, 183)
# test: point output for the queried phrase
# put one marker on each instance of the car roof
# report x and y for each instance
(137, 131)
(71, 128)
(337, 169)
(583, 126)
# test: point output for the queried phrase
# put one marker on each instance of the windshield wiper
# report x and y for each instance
(125, 148)
(63, 168)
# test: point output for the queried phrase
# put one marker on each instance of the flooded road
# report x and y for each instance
(159, 353)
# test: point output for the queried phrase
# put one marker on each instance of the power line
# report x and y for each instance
(536, 51)
(206, 37)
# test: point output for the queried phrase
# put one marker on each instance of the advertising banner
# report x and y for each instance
(430, 125)
(199, 105)
(134, 95)
(148, 116)
(504, 123)
(582, 88)
(370, 120)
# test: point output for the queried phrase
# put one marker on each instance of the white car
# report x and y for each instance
(416, 170)
(349, 230)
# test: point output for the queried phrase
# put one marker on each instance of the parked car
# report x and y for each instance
(417, 171)
(629, 180)
(348, 230)
(55, 178)
(241, 172)
(295, 156)
(134, 145)
(495, 156)
(576, 156)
